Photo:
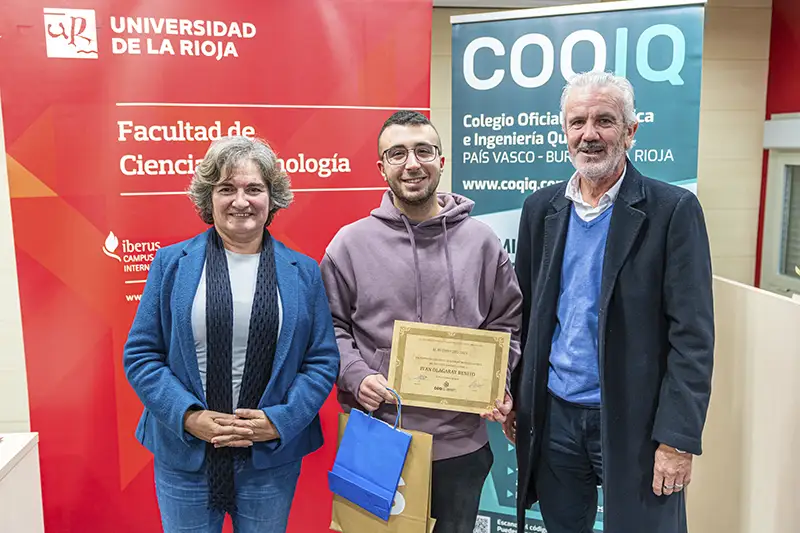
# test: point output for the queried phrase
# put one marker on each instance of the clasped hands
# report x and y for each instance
(238, 430)
(374, 391)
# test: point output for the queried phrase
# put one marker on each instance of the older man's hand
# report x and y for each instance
(672, 470)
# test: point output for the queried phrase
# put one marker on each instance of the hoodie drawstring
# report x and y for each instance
(418, 275)
(416, 267)
(449, 269)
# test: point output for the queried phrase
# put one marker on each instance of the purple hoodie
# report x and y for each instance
(448, 270)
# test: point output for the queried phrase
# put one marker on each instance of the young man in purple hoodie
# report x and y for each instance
(420, 257)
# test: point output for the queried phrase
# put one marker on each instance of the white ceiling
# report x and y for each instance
(504, 4)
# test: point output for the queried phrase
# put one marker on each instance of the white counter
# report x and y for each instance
(20, 484)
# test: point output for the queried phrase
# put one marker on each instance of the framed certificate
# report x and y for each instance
(447, 367)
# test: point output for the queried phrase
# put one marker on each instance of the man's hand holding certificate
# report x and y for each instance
(451, 368)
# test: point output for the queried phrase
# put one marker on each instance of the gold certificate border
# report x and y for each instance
(402, 330)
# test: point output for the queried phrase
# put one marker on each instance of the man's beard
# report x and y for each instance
(396, 187)
(595, 171)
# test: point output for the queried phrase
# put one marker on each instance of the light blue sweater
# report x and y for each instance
(574, 375)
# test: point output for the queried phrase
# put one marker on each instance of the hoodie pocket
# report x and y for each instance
(380, 361)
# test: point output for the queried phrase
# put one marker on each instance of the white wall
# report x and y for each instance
(14, 414)
(732, 111)
(746, 479)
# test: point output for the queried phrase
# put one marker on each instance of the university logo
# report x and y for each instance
(70, 33)
(110, 246)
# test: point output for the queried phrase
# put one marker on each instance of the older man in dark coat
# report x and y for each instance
(618, 331)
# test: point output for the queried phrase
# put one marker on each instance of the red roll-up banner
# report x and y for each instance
(107, 107)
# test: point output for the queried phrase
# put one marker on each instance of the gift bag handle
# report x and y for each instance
(398, 418)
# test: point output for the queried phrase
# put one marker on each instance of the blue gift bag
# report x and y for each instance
(369, 461)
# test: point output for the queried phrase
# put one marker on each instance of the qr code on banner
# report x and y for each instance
(482, 524)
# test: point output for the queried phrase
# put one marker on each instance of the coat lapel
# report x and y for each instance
(286, 268)
(626, 221)
(187, 278)
(555, 238)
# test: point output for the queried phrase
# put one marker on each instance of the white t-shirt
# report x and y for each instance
(243, 272)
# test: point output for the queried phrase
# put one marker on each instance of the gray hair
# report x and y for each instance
(602, 80)
(224, 156)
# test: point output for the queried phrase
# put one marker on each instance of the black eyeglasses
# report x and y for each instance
(397, 155)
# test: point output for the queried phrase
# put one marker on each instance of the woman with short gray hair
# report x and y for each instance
(230, 151)
(232, 352)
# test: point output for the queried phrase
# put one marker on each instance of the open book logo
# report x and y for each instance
(110, 246)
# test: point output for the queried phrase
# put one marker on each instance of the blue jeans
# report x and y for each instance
(263, 499)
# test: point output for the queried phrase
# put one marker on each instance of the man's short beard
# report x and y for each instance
(417, 200)
(595, 172)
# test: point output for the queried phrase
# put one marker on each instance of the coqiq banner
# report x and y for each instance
(108, 106)
(509, 69)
